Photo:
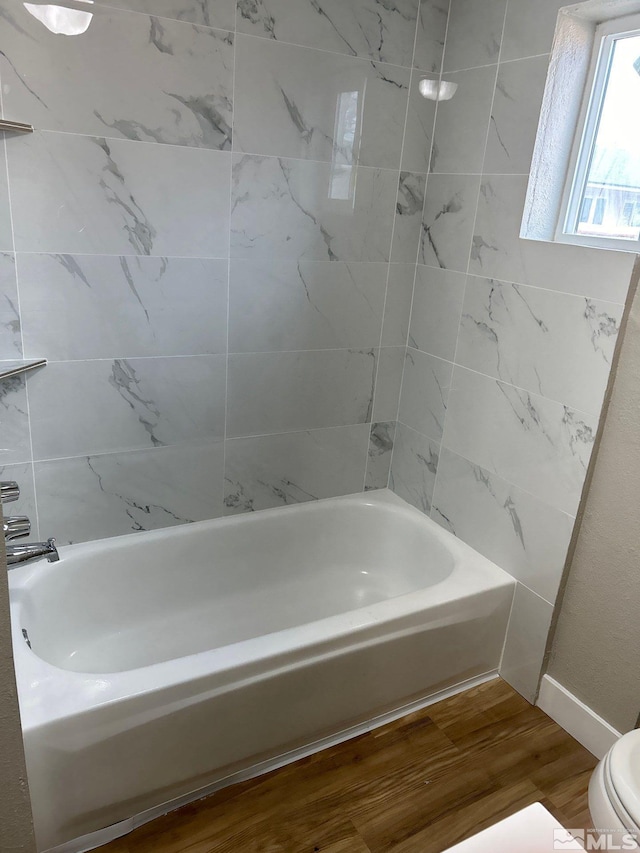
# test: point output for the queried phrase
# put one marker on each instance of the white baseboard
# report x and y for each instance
(575, 717)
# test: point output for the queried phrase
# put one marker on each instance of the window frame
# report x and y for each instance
(606, 34)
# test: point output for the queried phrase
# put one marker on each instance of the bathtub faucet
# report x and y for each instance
(19, 555)
(18, 526)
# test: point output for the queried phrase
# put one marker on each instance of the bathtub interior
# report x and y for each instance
(120, 604)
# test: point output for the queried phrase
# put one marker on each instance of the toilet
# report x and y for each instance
(614, 791)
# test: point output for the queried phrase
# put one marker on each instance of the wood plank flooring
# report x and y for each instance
(418, 785)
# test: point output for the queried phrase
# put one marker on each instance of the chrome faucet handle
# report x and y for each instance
(9, 491)
(16, 526)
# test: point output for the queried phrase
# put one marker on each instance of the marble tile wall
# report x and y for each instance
(212, 236)
(510, 341)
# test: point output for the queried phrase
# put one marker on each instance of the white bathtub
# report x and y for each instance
(161, 664)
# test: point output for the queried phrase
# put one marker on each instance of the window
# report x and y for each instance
(601, 203)
(585, 210)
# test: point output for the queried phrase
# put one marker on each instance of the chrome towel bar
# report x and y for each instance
(15, 126)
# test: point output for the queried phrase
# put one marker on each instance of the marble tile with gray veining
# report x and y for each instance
(126, 76)
(14, 421)
(316, 105)
(278, 470)
(408, 224)
(414, 467)
(126, 404)
(418, 136)
(526, 642)
(425, 391)
(10, 329)
(447, 225)
(437, 306)
(462, 122)
(515, 115)
(211, 13)
(382, 30)
(101, 306)
(85, 194)
(388, 383)
(26, 503)
(529, 28)
(276, 306)
(93, 497)
(520, 533)
(537, 444)
(282, 392)
(432, 29)
(397, 309)
(553, 344)
(474, 34)
(499, 252)
(294, 209)
(6, 233)
(380, 452)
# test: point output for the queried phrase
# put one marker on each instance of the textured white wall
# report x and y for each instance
(16, 825)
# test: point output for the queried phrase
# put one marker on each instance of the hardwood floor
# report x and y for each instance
(418, 785)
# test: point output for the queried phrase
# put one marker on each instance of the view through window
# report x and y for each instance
(605, 196)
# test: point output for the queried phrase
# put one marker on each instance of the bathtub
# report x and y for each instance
(155, 667)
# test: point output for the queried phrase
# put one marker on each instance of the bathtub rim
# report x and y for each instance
(48, 692)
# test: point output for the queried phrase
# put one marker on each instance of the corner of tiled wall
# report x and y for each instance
(510, 341)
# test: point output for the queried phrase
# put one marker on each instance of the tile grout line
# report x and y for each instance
(218, 152)
(201, 442)
(475, 222)
(493, 474)
(212, 355)
(360, 351)
(420, 235)
(312, 261)
(531, 286)
(393, 233)
(228, 315)
(110, 8)
(508, 384)
(354, 56)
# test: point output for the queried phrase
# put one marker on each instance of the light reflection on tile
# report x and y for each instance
(304, 211)
(317, 105)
